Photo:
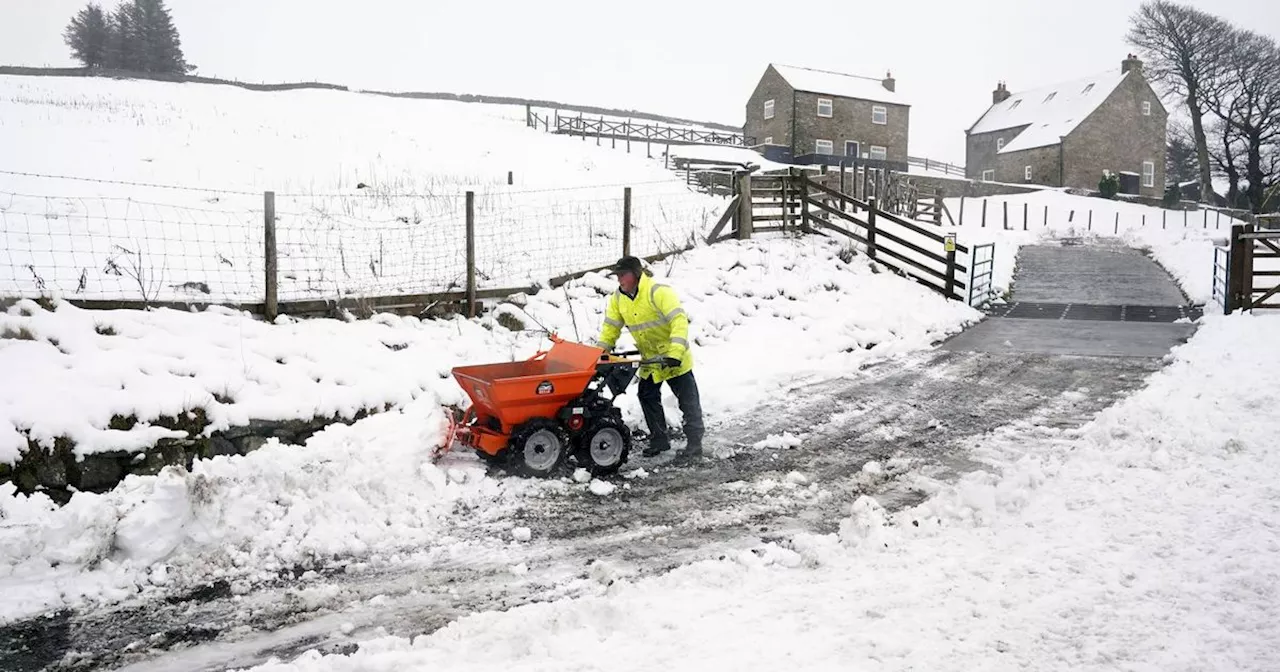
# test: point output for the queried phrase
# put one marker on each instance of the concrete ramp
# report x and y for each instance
(1097, 301)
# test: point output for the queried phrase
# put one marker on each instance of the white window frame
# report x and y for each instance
(769, 109)
(989, 176)
(882, 112)
(873, 150)
(1146, 108)
(1149, 179)
(817, 147)
(768, 140)
(831, 108)
(1026, 173)
(999, 144)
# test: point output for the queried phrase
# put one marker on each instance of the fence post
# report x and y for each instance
(1117, 222)
(984, 213)
(528, 115)
(951, 266)
(1237, 271)
(1046, 216)
(511, 177)
(745, 223)
(627, 130)
(1206, 219)
(1026, 210)
(961, 222)
(471, 254)
(871, 227)
(842, 182)
(804, 203)
(1164, 219)
(1006, 215)
(1090, 219)
(937, 204)
(626, 222)
(270, 304)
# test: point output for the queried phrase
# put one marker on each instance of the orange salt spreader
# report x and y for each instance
(533, 416)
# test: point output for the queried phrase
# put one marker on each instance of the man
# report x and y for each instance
(652, 313)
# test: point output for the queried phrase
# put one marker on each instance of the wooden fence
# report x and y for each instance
(627, 131)
(936, 166)
(796, 203)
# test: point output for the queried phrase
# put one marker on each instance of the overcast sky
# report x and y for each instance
(695, 59)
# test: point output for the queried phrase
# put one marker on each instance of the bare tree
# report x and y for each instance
(1184, 49)
(1248, 105)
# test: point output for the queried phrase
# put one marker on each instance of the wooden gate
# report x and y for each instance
(1247, 270)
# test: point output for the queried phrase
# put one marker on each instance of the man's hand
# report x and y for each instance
(671, 363)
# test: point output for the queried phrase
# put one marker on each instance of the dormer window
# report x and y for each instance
(1050, 96)
(1087, 89)
(1015, 104)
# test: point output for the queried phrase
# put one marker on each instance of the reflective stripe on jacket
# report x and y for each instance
(656, 321)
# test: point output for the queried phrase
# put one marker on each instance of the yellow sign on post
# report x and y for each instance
(950, 242)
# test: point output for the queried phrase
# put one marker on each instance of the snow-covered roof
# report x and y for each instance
(1049, 112)
(838, 84)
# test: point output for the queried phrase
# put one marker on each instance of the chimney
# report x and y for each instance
(889, 82)
(1000, 95)
(1131, 63)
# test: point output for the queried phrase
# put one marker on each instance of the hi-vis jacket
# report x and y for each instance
(656, 322)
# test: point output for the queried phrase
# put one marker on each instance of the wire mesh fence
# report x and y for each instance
(330, 247)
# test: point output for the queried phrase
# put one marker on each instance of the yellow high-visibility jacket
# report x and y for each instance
(656, 321)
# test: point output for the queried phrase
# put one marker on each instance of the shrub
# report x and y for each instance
(1109, 185)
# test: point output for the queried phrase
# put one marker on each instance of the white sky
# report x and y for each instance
(694, 59)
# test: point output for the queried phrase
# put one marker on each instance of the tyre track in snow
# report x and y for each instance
(923, 412)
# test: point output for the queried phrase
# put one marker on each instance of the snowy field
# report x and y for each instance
(1181, 242)
(247, 518)
(1144, 541)
(403, 231)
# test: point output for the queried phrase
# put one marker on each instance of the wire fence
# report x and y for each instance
(214, 249)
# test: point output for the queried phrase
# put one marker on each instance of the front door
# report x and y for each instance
(851, 148)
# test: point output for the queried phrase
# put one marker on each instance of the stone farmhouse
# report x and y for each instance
(1068, 134)
(805, 116)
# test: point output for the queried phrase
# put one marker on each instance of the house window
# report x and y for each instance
(824, 107)
(879, 153)
(1050, 96)
(1087, 89)
(1026, 173)
(1015, 104)
(824, 147)
(768, 109)
(879, 114)
(1148, 173)
(999, 144)
(1146, 108)
(768, 140)
(988, 176)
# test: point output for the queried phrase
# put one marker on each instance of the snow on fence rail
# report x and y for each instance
(301, 253)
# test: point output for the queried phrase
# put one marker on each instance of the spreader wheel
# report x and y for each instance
(538, 448)
(603, 448)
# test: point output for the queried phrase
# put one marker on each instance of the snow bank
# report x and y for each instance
(1182, 242)
(369, 491)
(1143, 541)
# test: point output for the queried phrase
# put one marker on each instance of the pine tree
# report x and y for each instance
(160, 45)
(124, 50)
(88, 36)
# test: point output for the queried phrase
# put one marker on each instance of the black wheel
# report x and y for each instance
(603, 448)
(538, 448)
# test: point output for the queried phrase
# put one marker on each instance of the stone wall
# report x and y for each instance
(1118, 137)
(956, 187)
(1045, 163)
(58, 472)
(771, 87)
(851, 120)
(980, 150)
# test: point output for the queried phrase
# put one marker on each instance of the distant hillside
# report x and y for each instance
(21, 71)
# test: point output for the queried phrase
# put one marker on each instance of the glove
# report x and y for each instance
(671, 363)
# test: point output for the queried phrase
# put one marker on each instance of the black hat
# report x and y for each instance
(626, 264)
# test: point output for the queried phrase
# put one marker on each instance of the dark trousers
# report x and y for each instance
(686, 391)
